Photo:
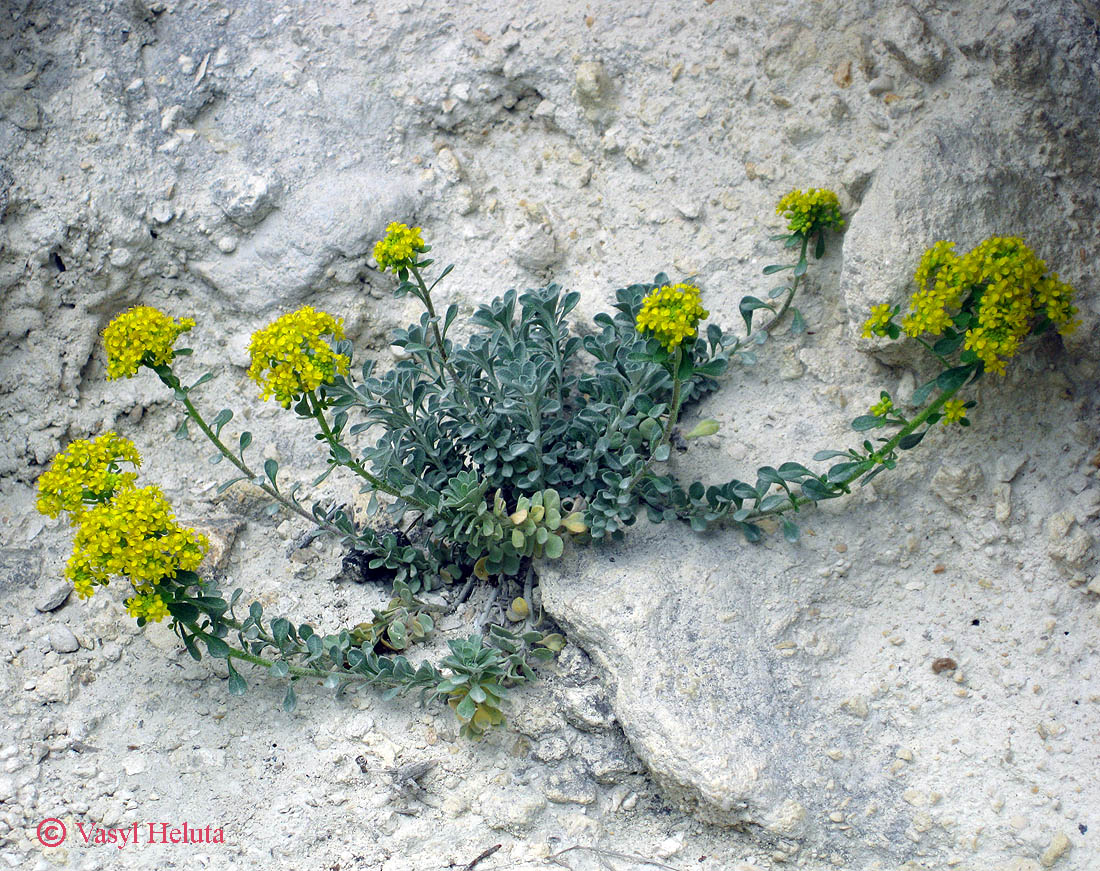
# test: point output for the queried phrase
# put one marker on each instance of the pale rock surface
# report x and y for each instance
(234, 160)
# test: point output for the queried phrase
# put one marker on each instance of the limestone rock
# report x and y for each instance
(62, 639)
(54, 597)
(246, 200)
(338, 215)
(1020, 172)
(710, 706)
(920, 51)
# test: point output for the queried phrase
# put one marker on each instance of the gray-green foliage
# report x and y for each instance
(524, 412)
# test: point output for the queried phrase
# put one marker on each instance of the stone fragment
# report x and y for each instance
(908, 38)
(511, 810)
(54, 597)
(62, 639)
(1008, 466)
(587, 708)
(535, 248)
(246, 200)
(1059, 845)
(570, 785)
(958, 485)
(21, 109)
(593, 86)
(334, 215)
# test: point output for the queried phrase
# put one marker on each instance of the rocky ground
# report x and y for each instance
(720, 705)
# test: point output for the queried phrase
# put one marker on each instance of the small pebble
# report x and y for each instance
(62, 640)
(54, 598)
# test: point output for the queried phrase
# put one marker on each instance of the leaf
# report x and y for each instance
(748, 305)
(777, 267)
(790, 530)
(769, 503)
(224, 416)
(554, 546)
(246, 440)
(279, 668)
(237, 685)
(911, 440)
(290, 700)
(800, 267)
(661, 454)
(842, 471)
(798, 323)
(923, 392)
(954, 378)
(202, 380)
(867, 421)
(819, 249)
(704, 428)
(821, 456)
(466, 708)
(813, 489)
(949, 344)
(181, 431)
(227, 484)
(271, 469)
(216, 647)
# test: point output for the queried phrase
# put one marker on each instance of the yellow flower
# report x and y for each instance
(140, 337)
(135, 535)
(86, 472)
(953, 411)
(1006, 289)
(876, 323)
(290, 357)
(883, 407)
(671, 314)
(813, 210)
(399, 248)
(148, 605)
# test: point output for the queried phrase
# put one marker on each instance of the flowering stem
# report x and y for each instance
(169, 378)
(869, 462)
(943, 360)
(426, 298)
(794, 289)
(318, 414)
(296, 670)
(673, 415)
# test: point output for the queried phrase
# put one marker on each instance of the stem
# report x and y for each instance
(377, 483)
(194, 414)
(673, 415)
(165, 375)
(426, 298)
(943, 360)
(868, 464)
(674, 412)
(790, 294)
(296, 670)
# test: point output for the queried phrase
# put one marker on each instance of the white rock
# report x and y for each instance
(62, 639)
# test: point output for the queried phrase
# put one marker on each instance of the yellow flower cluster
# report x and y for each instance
(290, 356)
(86, 472)
(811, 210)
(135, 535)
(953, 411)
(147, 605)
(399, 248)
(876, 323)
(139, 337)
(1010, 290)
(883, 407)
(671, 314)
